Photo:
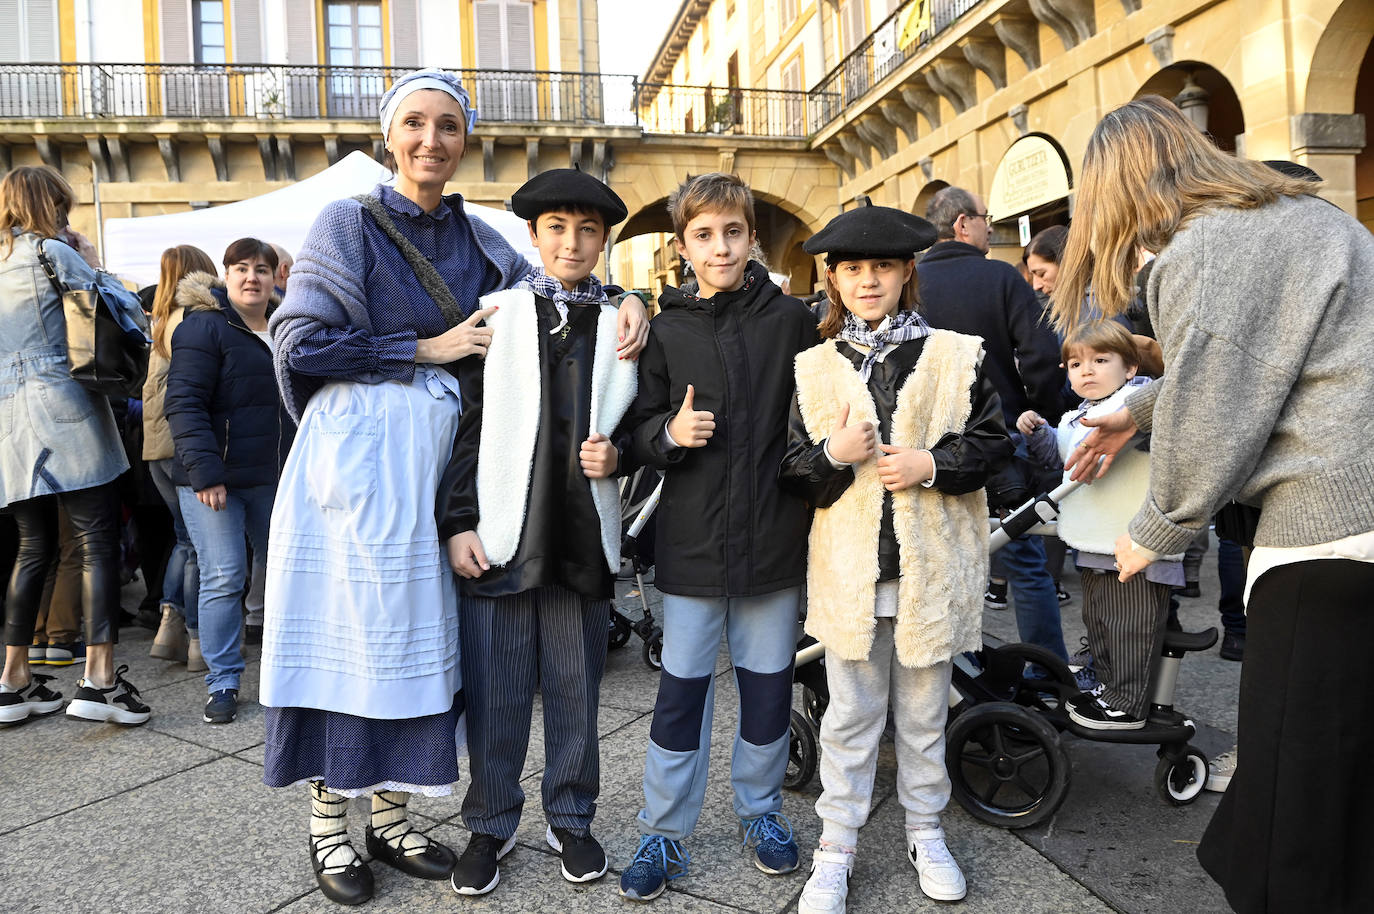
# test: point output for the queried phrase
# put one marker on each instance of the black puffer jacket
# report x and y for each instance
(227, 420)
(725, 527)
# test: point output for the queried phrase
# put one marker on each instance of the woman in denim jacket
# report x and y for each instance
(58, 444)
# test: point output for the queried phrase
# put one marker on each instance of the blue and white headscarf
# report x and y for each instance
(899, 328)
(586, 292)
(426, 79)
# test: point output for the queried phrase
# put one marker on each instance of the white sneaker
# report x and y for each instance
(940, 876)
(1220, 770)
(828, 886)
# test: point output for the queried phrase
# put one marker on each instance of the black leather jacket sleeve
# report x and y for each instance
(964, 462)
(806, 472)
(455, 506)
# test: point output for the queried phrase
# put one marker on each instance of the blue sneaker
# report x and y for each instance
(657, 861)
(770, 838)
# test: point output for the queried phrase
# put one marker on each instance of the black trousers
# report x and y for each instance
(1292, 833)
(94, 514)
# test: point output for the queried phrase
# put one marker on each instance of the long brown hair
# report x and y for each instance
(1146, 173)
(33, 198)
(834, 315)
(176, 263)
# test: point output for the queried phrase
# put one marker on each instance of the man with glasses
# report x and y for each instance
(964, 291)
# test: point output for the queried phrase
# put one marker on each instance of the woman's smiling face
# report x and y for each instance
(427, 138)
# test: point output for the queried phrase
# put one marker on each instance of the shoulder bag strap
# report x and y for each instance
(48, 269)
(429, 277)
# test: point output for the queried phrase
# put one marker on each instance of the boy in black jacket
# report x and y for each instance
(716, 381)
(532, 522)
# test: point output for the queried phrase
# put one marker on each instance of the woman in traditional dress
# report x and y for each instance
(360, 668)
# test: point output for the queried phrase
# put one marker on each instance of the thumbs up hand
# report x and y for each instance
(852, 443)
(692, 427)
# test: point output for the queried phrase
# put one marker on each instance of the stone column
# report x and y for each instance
(1328, 144)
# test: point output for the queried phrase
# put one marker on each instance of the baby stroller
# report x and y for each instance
(639, 498)
(1003, 747)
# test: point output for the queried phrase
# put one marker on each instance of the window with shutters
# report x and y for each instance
(353, 50)
(787, 13)
(505, 41)
(856, 75)
(208, 33)
(794, 106)
(30, 36)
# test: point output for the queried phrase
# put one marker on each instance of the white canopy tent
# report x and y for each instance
(133, 247)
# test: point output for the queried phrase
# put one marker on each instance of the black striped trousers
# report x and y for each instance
(1125, 625)
(554, 640)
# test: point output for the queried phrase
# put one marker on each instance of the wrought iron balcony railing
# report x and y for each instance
(266, 91)
(878, 55)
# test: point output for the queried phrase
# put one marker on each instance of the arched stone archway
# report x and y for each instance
(923, 198)
(1205, 95)
(1339, 86)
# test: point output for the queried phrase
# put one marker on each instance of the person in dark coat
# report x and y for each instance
(716, 384)
(964, 291)
(231, 434)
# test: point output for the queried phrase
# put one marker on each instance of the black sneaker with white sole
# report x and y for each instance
(476, 872)
(1090, 711)
(583, 858)
(33, 700)
(996, 595)
(118, 704)
(222, 707)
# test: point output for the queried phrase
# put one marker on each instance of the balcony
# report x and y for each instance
(67, 92)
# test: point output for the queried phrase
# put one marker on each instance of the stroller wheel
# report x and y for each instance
(1180, 783)
(620, 631)
(1029, 676)
(801, 753)
(653, 649)
(1006, 765)
(814, 704)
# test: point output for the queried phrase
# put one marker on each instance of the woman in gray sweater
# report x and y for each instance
(1263, 300)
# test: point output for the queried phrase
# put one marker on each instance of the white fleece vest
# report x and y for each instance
(510, 422)
(942, 539)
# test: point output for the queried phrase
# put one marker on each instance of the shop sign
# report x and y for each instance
(1031, 174)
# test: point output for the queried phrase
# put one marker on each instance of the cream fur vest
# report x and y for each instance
(942, 539)
(510, 422)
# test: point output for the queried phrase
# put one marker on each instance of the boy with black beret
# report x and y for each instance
(531, 518)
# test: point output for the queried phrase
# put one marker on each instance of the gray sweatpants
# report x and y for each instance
(860, 691)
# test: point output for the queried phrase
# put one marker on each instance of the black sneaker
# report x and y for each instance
(222, 707)
(1190, 589)
(1233, 646)
(1061, 593)
(33, 700)
(583, 858)
(1090, 711)
(476, 872)
(118, 704)
(996, 595)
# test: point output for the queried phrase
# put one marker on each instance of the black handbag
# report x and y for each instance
(104, 355)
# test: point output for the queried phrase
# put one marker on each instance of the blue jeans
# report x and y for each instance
(762, 635)
(1231, 570)
(221, 548)
(181, 580)
(1033, 594)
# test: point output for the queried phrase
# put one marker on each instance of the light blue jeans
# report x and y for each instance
(181, 580)
(221, 539)
(762, 635)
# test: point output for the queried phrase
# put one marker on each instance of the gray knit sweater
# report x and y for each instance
(1266, 319)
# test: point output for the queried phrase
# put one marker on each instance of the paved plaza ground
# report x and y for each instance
(173, 816)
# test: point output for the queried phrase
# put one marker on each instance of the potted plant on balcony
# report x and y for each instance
(722, 116)
(271, 103)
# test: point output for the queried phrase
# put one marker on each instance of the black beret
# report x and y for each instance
(560, 188)
(872, 231)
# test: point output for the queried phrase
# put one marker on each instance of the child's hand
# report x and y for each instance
(599, 457)
(852, 443)
(466, 555)
(904, 467)
(692, 427)
(1029, 421)
(632, 327)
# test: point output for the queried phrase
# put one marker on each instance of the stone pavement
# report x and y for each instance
(173, 816)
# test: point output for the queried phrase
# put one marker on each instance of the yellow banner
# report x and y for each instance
(915, 22)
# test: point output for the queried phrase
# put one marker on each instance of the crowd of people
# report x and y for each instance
(392, 461)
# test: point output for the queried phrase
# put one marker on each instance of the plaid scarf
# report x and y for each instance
(587, 292)
(900, 327)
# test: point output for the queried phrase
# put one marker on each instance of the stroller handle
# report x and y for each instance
(645, 512)
(1039, 510)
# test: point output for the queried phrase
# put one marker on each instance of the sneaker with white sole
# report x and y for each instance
(38, 655)
(477, 871)
(1091, 711)
(582, 856)
(771, 843)
(940, 877)
(1220, 771)
(33, 700)
(827, 889)
(996, 595)
(65, 654)
(117, 704)
(658, 861)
